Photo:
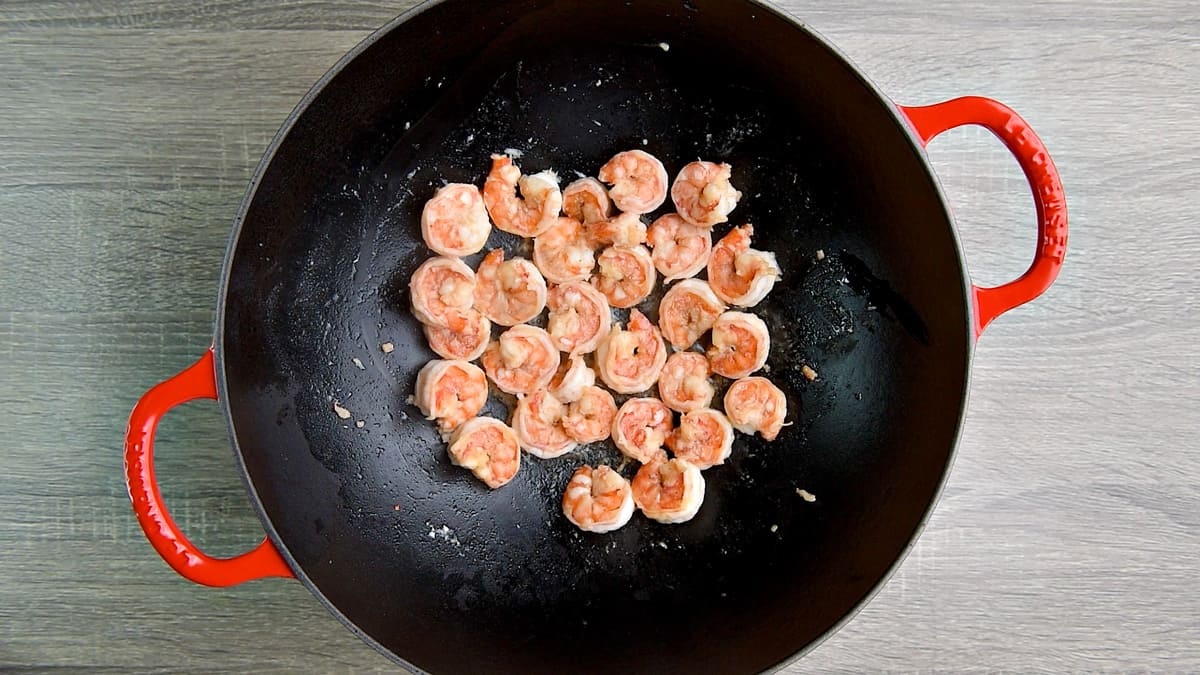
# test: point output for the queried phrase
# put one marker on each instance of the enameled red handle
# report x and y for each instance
(1024, 144)
(198, 381)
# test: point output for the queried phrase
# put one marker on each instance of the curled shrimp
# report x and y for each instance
(522, 360)
(680, 249)
(442, 290)
(684, 383)
(738, 274)
(631, 360)
(624, 229)
(538, 424)
(740, 344)
(465, 344)
(703, 194)
(572, 377)
(688, 309)
(586, 201)
(597, 500)
(562, 253)
(754, 404)
(704, 437)
(579, 317)
(626, 275)
(455, 222)
(638, 179)
(488, 448)
(669, 490)
(509, 292)
(590, 418)
(450, 392)
(641, 427)
(528, 215)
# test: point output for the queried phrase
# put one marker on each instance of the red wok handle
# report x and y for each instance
(1024, 144)
(197, 381)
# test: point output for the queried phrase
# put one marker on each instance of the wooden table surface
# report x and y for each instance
(1068, 537)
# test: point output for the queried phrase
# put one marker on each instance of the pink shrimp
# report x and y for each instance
(572, 377)
(522, 360)
(442, 290)
(738, 274)
(704, 437)
(579, 317)
(509, 292)
(684, 383)
(631, 360)
(703, 194)
(626, 275)
(528, 215)
(638, 179)
(488, 448)
(455, 222)
(597, 500)
(465, 344)
(590, 418)
(624, 229)
(538, 424)
(681, 249)
(740, 344)
(586, 201)
(641, 427)
(562, 253)
(754, 404)
(669, 491)
(451, 392)
(688, 309)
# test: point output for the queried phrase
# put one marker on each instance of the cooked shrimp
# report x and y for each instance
(631, 360)
(538, 423)
(528, 215)
(562, 253)
(626, 275)
(624, 229)
(704, 437)
(455, 222)
(450, 392)
(740, 344)
(590, 418)
(681, 249)
(638, 179)
(442, 290)
(522, 360)
(703, 194)
(488, 448)
(688, 309)
(738, 274)
(597, 500)
(754, 404)
(572, 378)
(509, 292)
(669, 491)
(579, 317)
(684, 383)
(641, 427)
(465, 344)
(586, 201)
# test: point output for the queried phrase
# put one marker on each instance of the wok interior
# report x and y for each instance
(449, 576)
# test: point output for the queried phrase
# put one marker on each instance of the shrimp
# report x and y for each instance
(451, 392)
(704, 437)
(631, 360)
(738, 274)
(638, 179)
(688, 309)
(703, 194)
(562, 253)
(626, 275)
(455, 222)
(641, 427)
(489, 448)
(579, 317)
(740, 344)
(669, 490)
(572, 378)
(590, 418)
(522, 360)
(509, 292)
(442, 290)
(586, 201)
(681, 249)
(754, 404)
(624, 229)
(597, 500)
(528, 215)
(465, 344)
(538, 424)
(684, 383)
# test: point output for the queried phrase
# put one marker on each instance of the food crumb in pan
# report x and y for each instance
(444, 533)
(395, 507)
(407, 126)
(808, 373)
(340, 411)
(662, 544)
(665, 46)
(387, 347)
(774, 528)
(358, 363)
(806, 495)
(360, 423)
(597, 123)
(645, 141)
(820, 254)
(514, 153)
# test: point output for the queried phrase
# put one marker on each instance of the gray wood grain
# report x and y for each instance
(1069, 533)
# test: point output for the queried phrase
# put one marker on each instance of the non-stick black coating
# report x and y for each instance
(449, 576)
